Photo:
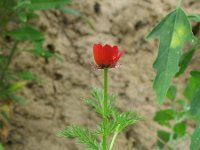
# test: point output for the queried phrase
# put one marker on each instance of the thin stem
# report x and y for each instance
(113, 140)
(171, 138)
(172, 134)
(105, 111)
(179, 3)
(10, 57)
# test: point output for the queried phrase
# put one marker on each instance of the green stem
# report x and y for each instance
(105, 111)
(113, 140)
(171, 138)
(10, 57)
(179, 3)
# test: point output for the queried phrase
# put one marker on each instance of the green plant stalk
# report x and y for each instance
(171, 142)
(105, 111)
(171, 138)
(10, 57)
(113, 140)
(179, 3)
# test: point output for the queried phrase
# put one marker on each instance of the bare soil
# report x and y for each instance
(56, 101)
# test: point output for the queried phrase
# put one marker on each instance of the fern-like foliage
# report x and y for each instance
(122, 120)
(96, 101)
(119, 121)
(84, 136)
(116, 121)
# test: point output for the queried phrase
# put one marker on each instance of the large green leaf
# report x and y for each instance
(47, 4)
(173, 31)
(27, 33)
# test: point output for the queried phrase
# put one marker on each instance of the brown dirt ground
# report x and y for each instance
(57, 101)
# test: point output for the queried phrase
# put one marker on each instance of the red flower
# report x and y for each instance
(106, 56)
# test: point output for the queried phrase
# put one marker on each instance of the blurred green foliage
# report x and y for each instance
(17, 18)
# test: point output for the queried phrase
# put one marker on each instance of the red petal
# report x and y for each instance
(115, 53)
(98, 53)
(108, 55)
(119, 55)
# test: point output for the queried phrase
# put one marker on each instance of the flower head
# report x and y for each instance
(106, 56)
